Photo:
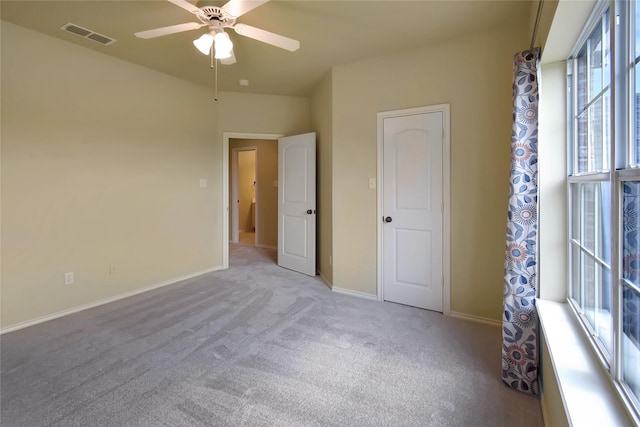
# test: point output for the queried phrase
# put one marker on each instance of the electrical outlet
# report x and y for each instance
(112, 269)
(203, 183)
(68, 278)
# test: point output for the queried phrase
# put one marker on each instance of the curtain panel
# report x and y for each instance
(520, 320)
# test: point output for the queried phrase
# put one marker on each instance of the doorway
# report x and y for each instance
(258, 213)
(413, 207)
(243, 194)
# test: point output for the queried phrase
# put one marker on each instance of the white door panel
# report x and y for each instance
(297, 203)
(412, 203)
(410, 153)
(413, 257)
(295, 173)
(294, 236)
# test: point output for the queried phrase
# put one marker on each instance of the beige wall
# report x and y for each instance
(101, 164)
(112, 178)
(267, 194)
(254, 113)
(99, 168)
(246, 189)
(321, 122)
(552, 155)
(474, 75)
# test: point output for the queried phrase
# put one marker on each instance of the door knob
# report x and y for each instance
(388, 219)
(309, 211)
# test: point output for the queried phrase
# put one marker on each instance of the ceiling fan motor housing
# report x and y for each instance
(215, 16)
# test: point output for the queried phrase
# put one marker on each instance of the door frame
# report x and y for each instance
(446, 199)
(234, 211)
(226, 136)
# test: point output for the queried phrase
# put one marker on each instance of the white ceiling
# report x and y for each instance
(331, 33)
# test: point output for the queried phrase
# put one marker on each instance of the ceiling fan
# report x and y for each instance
(217, 19)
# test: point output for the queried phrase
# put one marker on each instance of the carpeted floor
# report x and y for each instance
(257, 345)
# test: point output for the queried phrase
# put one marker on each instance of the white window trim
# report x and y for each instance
(588, 395)
(575, 341)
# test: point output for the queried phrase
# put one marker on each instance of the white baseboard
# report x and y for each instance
(476, 319)
(76, 309)
(354, 293)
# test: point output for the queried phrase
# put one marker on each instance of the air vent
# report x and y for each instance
(87, 34)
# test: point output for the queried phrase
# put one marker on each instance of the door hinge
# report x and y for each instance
(443, 282)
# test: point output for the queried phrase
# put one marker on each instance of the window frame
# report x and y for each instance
(622, 164)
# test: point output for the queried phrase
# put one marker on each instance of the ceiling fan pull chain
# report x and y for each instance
(214, 66)
(216, 86)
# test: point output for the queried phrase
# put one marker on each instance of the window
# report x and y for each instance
(604, 189)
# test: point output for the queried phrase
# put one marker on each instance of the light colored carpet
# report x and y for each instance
(257, 345)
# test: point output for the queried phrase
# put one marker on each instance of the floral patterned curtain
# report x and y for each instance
(631, 272)
(520, 320)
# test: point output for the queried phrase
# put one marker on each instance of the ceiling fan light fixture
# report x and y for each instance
(220, 54)
(223, 45)
(204, 43)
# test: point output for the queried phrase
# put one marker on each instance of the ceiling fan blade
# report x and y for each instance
(230, 60)
(267, 37)
(238, 8)
(186, 5)
(163, 31)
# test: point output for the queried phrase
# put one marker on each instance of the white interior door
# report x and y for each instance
(412, 237)
(297, 203)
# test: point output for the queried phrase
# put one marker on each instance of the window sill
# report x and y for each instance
(588, 396)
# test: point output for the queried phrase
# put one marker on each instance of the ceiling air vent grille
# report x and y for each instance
(87, 34)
